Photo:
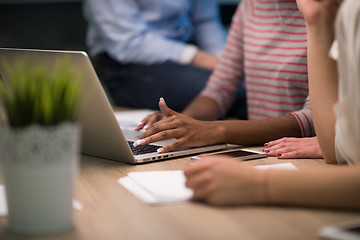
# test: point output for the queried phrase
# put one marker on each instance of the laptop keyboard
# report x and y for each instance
(143, 149)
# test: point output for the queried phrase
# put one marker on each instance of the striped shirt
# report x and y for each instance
(266, 44)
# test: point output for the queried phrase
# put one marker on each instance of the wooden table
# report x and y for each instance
(112, 212)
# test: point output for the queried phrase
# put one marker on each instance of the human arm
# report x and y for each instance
(218, 95)
(203, 108)
(124, 33)
(204, 60)
(307, 147)
(212, 103)
(319, 17)
(191, 132)
(225, 181)
(320, 187)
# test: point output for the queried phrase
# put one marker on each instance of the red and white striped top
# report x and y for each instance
(266, 44)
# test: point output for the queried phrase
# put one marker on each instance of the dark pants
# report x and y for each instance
(141, 86)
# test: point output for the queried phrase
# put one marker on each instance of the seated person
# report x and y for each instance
(271, 54)
(336, 110)
(144, 49)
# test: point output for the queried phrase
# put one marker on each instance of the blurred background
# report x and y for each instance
(57, 24)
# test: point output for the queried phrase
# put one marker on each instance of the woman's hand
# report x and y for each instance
(318, 12)
(294, 148)
(222, 180)
(149, 120)
(188, 131)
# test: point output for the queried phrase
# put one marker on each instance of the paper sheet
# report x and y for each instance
(160, 187)
(3, 205)
(278, 166)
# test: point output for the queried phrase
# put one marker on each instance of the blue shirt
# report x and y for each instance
(152, 31)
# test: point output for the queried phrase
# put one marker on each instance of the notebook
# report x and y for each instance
(102, 135)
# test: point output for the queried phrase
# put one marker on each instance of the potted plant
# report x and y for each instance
(39, 144)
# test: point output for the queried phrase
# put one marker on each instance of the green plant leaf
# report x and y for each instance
(45, 95)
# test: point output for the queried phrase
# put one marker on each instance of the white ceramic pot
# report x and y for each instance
(39, 169)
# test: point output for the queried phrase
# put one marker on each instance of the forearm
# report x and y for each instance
(329, 187)
(203, 108)
(322, 87)
(204, 60)
(257, 132)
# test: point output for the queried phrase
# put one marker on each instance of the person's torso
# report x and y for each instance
(275, 57)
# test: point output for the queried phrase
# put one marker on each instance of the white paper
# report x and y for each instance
(141, 193)
(131, 119)
(3, 205)
(278, 166)
(160, 187)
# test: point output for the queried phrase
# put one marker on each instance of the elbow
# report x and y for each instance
(330, 158)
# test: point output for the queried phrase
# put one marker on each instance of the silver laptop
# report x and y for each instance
(102, 135)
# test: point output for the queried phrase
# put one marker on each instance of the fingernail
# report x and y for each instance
(146, 127)
(160, 150)
(161, 99)
(278, 155)
(265, 144)
(138, 142)
(267, 151)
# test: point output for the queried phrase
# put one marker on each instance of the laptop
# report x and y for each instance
(102, 136)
